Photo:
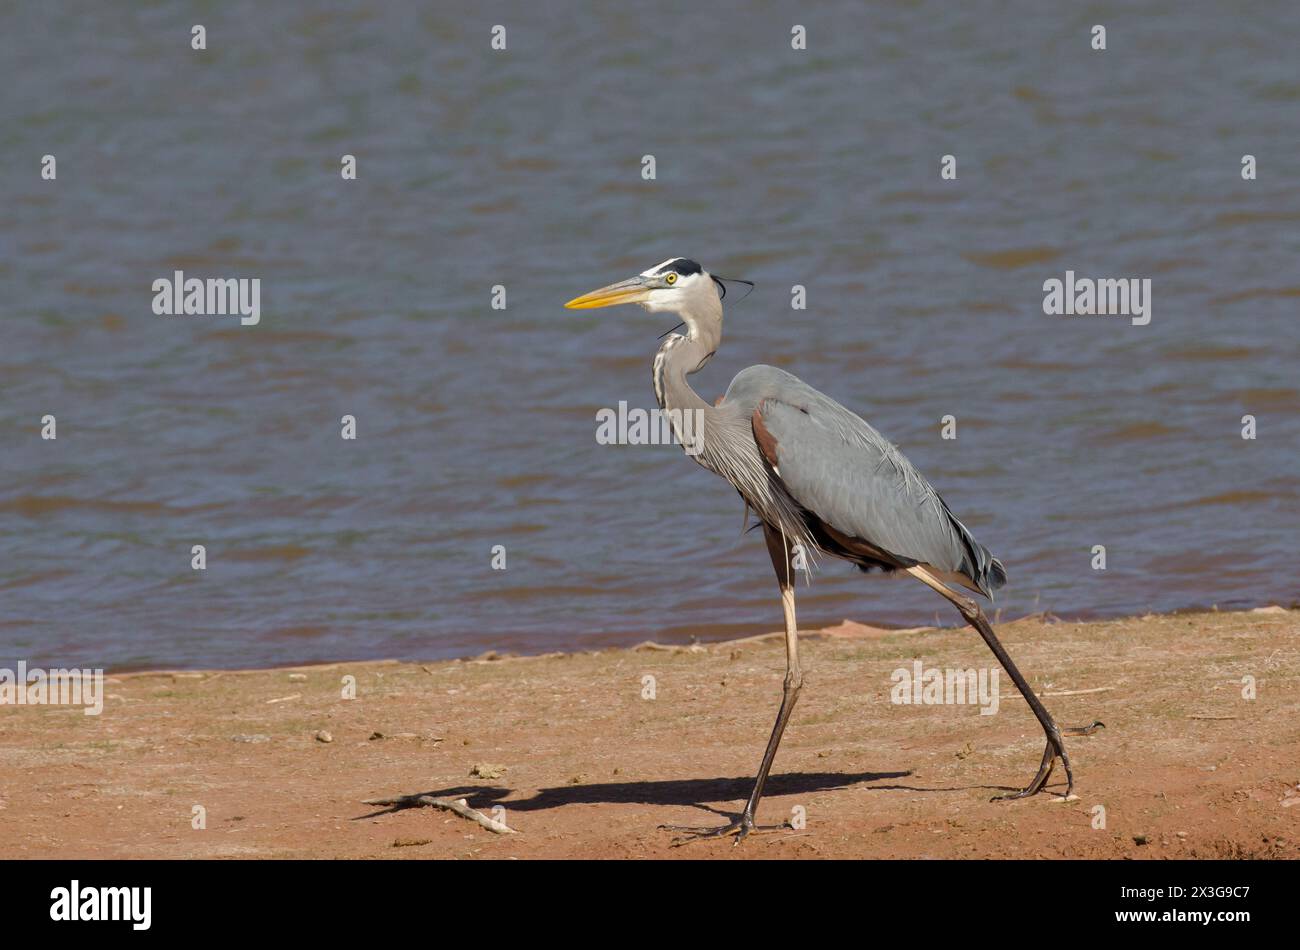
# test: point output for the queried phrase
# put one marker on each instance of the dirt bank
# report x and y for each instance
(586, 766)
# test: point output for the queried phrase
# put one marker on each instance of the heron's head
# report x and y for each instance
(678, 285)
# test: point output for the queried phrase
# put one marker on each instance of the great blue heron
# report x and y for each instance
(821, 480)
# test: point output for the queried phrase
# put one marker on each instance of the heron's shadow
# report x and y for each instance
(697, 792)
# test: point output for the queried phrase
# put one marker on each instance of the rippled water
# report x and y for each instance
(522, 168)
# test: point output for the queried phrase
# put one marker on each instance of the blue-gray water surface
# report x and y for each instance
(523, 168)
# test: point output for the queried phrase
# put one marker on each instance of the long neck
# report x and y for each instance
(680, 356)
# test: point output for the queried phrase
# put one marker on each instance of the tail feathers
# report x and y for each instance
(978, 563)
(985, 571)
(997, 574)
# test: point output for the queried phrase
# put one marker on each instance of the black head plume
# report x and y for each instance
(723, 281)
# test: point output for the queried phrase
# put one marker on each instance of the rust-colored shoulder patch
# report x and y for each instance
(766, 441)
(718, 402)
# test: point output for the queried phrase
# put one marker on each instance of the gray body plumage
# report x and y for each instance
(833, 484)
(847, 476)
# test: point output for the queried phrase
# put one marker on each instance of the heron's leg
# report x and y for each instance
(1055, 745)
(782, 561)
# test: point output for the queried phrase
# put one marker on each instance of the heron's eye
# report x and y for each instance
(670, 278)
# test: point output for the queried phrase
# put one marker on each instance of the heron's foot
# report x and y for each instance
(1033, 788)
(741, 828)
(1055, 748)
(1083, 730)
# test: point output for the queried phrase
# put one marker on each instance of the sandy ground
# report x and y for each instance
(585, 765)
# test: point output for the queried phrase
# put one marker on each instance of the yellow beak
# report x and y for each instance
(633, 290)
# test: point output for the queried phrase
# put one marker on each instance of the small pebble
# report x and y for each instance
(323, 735)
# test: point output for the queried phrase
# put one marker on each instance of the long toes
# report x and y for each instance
(692, 833)
(701, 834)
(741, 829)
(1084, 730)
(1012, 796)
(1033, 788)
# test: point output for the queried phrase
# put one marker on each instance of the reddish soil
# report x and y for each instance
(1186, 766)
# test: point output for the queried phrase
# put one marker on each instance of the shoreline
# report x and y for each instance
(587, 753)
(1046, 616)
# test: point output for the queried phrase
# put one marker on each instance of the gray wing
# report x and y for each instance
(849, 476)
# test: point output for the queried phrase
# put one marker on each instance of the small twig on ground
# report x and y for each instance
(669, 647)
(1071, 692)
(759, 638)
(460, 806)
